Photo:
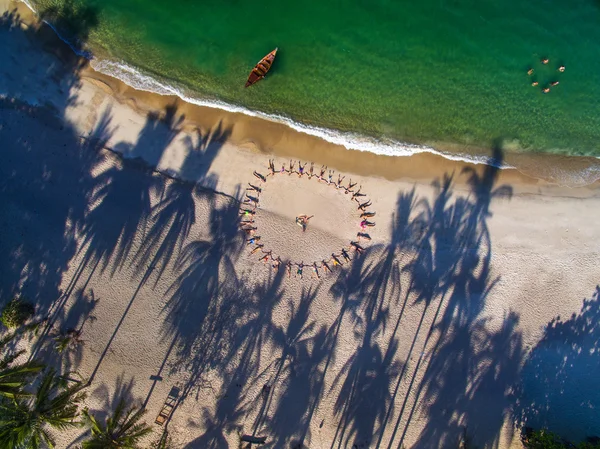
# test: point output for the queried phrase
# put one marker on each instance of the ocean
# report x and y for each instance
(392, 77)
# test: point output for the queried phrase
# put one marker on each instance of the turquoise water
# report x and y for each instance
(417, 71)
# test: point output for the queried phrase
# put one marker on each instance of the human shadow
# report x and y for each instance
(559, 385)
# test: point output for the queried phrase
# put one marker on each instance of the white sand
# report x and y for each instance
(427, 333)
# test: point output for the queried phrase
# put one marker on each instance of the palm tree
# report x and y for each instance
(24, 420)
(121, 431)
(14, 378)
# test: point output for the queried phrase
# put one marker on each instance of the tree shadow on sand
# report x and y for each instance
(441, 253)
(560, 385)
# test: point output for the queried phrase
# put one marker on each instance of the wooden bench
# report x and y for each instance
(168, 406)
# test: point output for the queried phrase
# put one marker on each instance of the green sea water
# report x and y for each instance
(418, 71)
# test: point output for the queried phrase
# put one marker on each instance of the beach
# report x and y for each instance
(471, 310)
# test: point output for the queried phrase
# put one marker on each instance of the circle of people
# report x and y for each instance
(326, 176)
(546, 88)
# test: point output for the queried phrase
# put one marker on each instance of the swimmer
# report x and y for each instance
(530, 72)
(554, 83)
(561, 68)
(345, 255)
(259, 176)
(546, 90)
(315, 270)
(545, 61)
(535, 83)
(325, 266)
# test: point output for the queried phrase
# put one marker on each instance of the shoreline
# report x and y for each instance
(541, 173)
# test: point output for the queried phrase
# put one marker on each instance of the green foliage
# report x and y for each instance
(14, 377)
(70, 339)
(121, 431)
(16, 313)
(24, 420)
(544, 439)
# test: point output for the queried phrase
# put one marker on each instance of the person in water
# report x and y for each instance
(535, 83)
(561, 68)
(554, 83)
(545, 61)
(546, 90)
(530, 72)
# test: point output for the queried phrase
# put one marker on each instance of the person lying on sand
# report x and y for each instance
(359, 249)
(253, 187)
(276, 262)
(339, 181)
(349, 186)
(247, 222)
(291, 170)
(301, 169)
(252, 240)
(315, 270)
(323, 170)
(299, 270)
(288, 267)
(282, 168)
(363, 235)
(247, 212)
(259, 176)
(265, 258)
(366, 223)
(363, 206)
(311, 170)
(345, 255)
(357, 194)
(336, 261)
(325, 266)
(256, 249)
(330, 178)
(250, 230)
(272, 166)
(367, 214)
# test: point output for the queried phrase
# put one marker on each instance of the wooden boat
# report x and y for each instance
(260, 70)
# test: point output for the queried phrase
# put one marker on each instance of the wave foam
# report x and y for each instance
(138, 80)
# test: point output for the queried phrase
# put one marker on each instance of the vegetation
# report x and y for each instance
(121, 431)
(13, 377)
(544, 439)
(24, 420)
(69, 339)
(16, 313)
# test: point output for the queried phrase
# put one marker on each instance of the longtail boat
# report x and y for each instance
(260, 70)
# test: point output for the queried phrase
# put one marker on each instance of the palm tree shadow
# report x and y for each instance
(559, 384)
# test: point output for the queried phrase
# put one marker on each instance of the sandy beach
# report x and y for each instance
(472, 310)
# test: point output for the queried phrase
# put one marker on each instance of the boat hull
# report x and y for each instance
(260, 70)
